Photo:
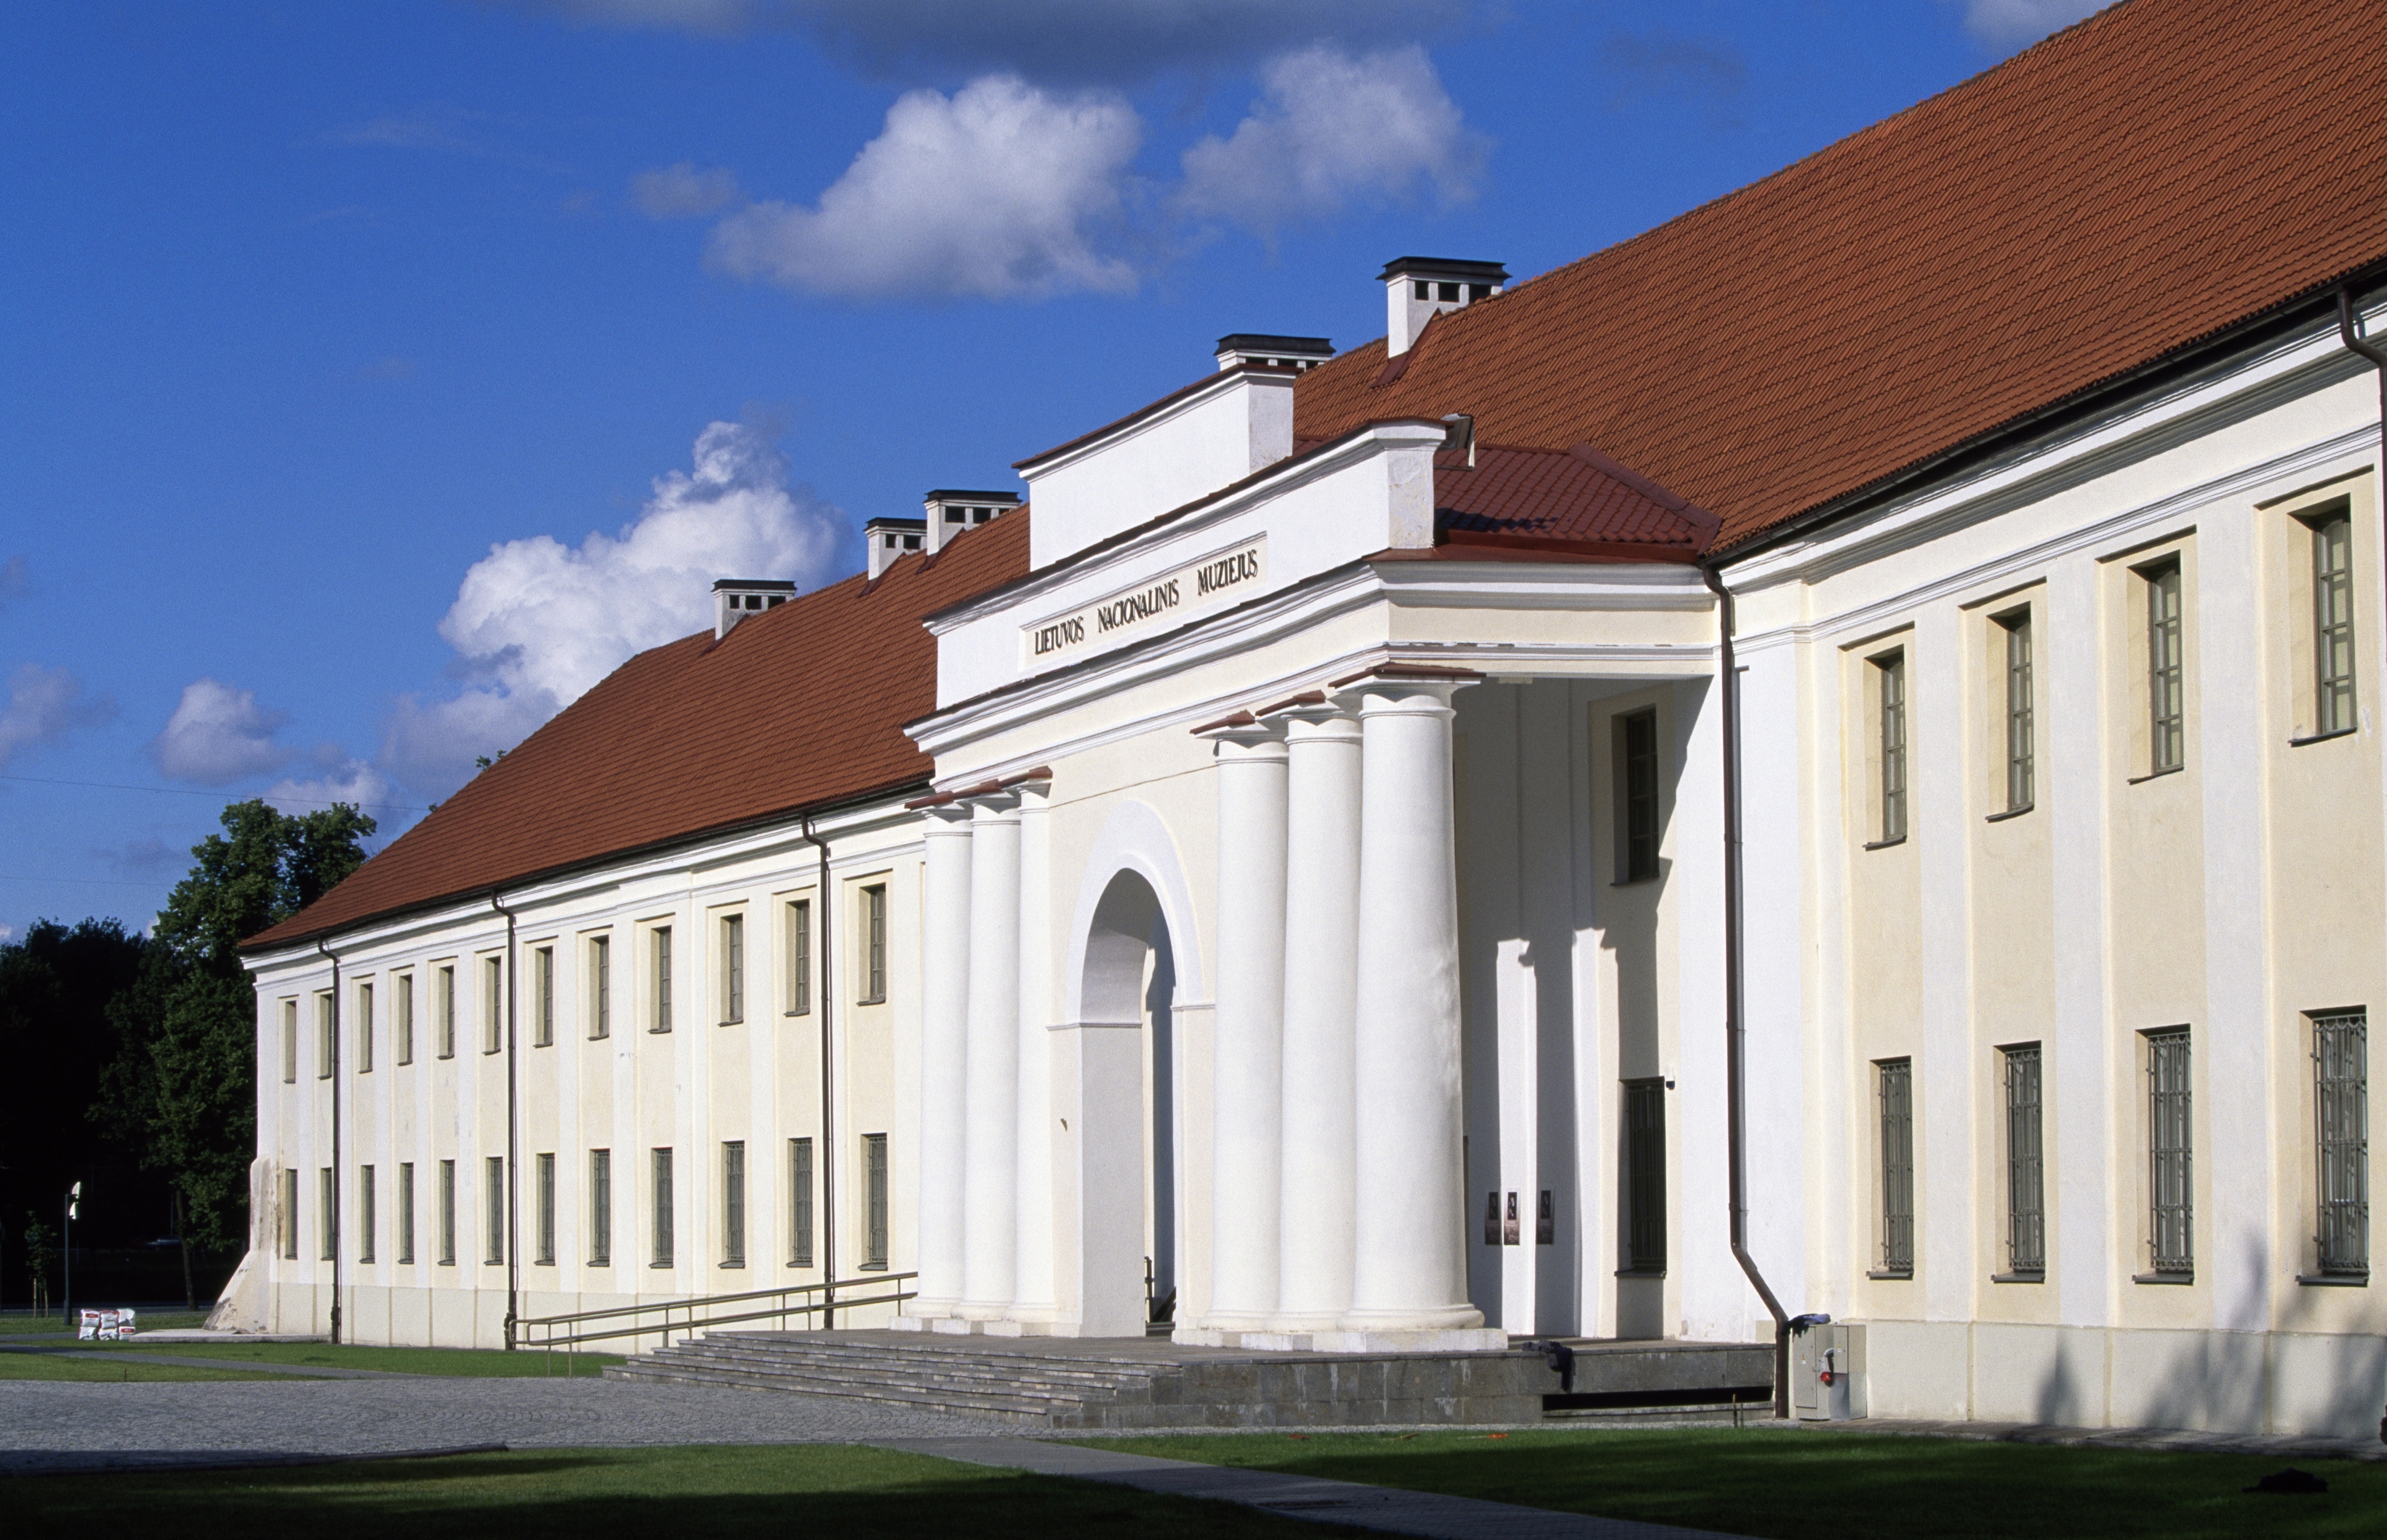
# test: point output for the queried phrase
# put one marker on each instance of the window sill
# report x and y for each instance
(599, 1037)
(2155, 775)
(872, 1267)
(2334, 1280)
(800, 1010)
(658, 1031)
(2011, 813)
(598, 1262)
(1640, 1272)
(2174, 1278)
(2322, 737)
(447, 1055)
(874, 1000)
(659, 1266)
(544, 1262)
(1634, 881)
(1890, 1275)
(1885, 844)
(735, 1267)
(2040, 1277)
(731, 1021)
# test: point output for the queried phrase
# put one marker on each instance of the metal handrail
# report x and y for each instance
(698, 1311)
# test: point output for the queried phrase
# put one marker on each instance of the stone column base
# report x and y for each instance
(1452, 1340)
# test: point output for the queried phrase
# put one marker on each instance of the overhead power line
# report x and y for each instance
(186, 791)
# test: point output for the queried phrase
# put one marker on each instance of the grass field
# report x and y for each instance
(716, 1492)
(50, 1325)
(1788, 1486)
(451, 1361)
(120, 1371)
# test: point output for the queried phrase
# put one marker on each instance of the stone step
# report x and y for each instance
(1042, 1377)
(1037, 1410)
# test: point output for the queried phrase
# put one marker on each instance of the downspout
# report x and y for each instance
(514, 1139)
(332, 1214)
(2356, 343)
(1735, 1027)
(827, 1088)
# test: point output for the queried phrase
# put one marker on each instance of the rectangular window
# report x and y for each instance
(2333, 623)
(733, 1203)
(545, 1254)
(2166, 693)
(2026, 1168)
(494, 1200)
(406, 1211)
(2341, 1105)
(365, 1214)
(443, 1010)
(661, 1182)
(874, 935)
(799, 957)
(733, 968)
(447, 1213)
(600, 1209)
(2021, 739)
(799, 1203)
(1890, 680)
(1644, 1176)
(874, 1176)
(290, 1043)
(290, 1214)
(492, 1004)
(600, 987)
(365, 1028)
(1895, 1079)
(1639, 820)
(401, 1020)
(328, 1199)
(542, 984)
(661, 1021)
(2170, 1172)
(326, 1045)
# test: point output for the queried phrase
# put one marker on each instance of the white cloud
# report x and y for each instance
(537, 622)
(219, 734)
(1001, 191)
(2013, 23)
(1333, 129)
(682, 191)
(344, 779)
(45, 704)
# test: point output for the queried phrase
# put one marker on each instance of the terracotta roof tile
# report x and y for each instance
(1554, 498)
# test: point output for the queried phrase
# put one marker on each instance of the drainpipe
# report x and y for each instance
(828, 1087)
(1735, 1027)
(331, 1214)
(2378, 357)
(513, 1139)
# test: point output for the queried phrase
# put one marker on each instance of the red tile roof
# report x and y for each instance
(2129, 187)
(1553, 500)
(798, 707)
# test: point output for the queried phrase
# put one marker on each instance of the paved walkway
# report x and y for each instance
(1387, 1509)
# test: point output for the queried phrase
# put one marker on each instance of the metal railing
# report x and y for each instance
(688, 1316)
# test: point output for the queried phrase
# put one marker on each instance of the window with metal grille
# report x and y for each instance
(874, 1170)
(1890, 680)
(406, 1211)
(799, 1203)
(443, 1011)
(659, 1162)
(542, 984)
(600, 1209)
(2021, 743)
(2172, 1215)
(733, 1203)
(364, 1029)
(325, 1043)
(2025, 1168)
(1640, 799)
(328, 1199)
(733, 968)
(661, 1011)
(1895, 1092)
(2340, 1102)
(600, 987)
(2166, 695)
(289, 1043)
(1644, 1176)
(494, 1205)
(493, 1002)
(365, 1214)
(874, 932)
(447, 1213)
(799, 957)
(2333, 537)
(545, 1256)
(401, 1020)
(290, 1216)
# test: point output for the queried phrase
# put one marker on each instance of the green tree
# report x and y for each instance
(182, 1084)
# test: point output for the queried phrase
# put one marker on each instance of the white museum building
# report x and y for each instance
(1823, 759)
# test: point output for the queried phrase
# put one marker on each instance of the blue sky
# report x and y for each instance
(375, 378)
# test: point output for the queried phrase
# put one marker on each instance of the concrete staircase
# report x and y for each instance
(1092, 1383)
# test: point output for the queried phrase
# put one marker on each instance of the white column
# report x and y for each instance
(1322, 975)
(990, 1123)
(944, 1038)
(1408, 1284)
(1248, 1028)
(1034, 1290)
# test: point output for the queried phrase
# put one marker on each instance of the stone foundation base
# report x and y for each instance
(1456, 1340)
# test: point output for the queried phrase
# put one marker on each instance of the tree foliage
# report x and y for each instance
(182, 1085)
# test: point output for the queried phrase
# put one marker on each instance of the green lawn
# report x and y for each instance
(1783, 1484)
(120, 1371)
(452, 1361)
(51, 1325)
(716, 1492)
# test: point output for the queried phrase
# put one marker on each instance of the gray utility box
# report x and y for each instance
(1827, 1373)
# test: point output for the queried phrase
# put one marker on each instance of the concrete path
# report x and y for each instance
(1384, 1508)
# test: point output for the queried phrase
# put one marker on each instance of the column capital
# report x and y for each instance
(1311, 715)
(1394, 687)
(944, 818)
(1242, 736)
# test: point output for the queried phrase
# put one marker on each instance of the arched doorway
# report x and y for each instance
(1129, 1209)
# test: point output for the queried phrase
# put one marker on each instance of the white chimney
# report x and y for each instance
(950, 511)
(1419, 288)
(889, 538)
(1300, 354)
(734, 599)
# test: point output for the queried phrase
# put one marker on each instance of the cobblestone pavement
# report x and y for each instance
(66, 1425)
